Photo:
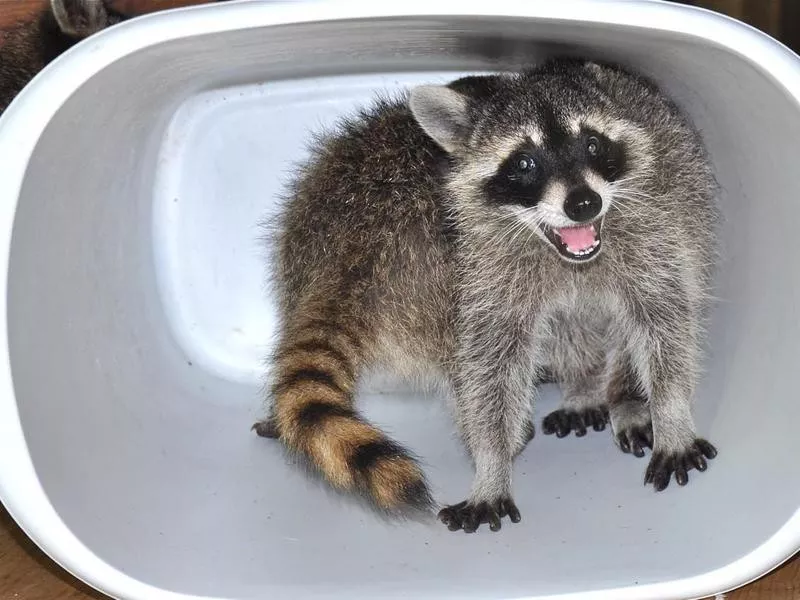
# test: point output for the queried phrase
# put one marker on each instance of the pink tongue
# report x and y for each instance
(577, 238)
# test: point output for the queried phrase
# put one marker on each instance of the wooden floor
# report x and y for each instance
(27, 574)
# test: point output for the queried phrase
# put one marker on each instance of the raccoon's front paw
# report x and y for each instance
(469, 515)
(664, 464)
(564, 420)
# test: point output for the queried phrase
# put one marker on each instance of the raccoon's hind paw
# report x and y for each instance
(634, 439)
(266, 429)
(632, 425)
(663, 464)
(469, 515)
(564, 420)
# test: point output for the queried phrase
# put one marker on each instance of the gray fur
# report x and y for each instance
(394, 235)
(27, 49)
(81, 18)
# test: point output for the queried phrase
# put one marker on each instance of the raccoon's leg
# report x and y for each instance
(82, 18)
(576, 347)
(628, 409)
(665, 355)
(583, 406)
(316, 366)
(492, 385)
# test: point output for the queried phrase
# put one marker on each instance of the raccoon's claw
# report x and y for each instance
(663, 465)
(564, 420)
(469, 516)
(266, 429)
(635, 439)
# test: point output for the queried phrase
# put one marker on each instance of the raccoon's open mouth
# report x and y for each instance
(579, 243)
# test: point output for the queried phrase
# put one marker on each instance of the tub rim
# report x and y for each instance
(23, 123)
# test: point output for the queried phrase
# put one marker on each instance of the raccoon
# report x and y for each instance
(554, 223)
(27, 49)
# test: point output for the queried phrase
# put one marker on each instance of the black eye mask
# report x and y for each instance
(520, 179)
(604, 156)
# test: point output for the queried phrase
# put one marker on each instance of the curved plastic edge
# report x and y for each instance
(24, 121)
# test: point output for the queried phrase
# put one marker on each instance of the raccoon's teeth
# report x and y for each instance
(585, 251)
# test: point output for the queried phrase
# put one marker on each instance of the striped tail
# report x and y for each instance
(313, 415)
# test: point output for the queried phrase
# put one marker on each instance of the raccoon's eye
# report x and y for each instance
(593, 146)
(525, 163)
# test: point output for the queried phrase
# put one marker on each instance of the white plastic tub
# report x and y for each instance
(134, 173)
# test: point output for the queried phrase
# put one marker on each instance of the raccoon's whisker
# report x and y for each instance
(628, 179)
(631, 201)
(511, 233)
(627, 184)
(627, 210)
(634, 177)
(620, 207)
(507, 229)
(537, 220)
(633, 194)
(521, 230)
(626, 188)
(510, 216)
(629, 205)
(635, 200)
(506, 226)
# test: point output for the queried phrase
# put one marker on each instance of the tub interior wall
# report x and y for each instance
(138, 318)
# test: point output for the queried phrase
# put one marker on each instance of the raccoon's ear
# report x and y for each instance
(442, 113)
(82, 18)
(477, 87)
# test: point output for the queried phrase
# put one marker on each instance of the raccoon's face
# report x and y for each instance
(559, 182)
(548, 155)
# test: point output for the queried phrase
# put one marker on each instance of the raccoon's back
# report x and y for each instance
(366, 207)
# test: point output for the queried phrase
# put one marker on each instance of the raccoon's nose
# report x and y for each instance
(583, 204)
